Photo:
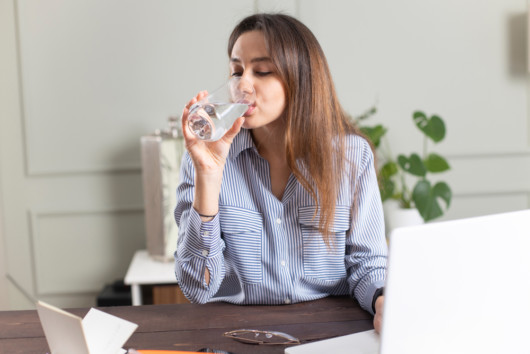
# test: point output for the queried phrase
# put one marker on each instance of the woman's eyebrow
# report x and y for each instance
(253, 60)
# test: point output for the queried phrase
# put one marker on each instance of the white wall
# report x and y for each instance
(9, 134)
(464, 60)
(83, 80)
(4, 304)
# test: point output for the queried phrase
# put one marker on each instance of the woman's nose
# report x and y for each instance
(246, 84)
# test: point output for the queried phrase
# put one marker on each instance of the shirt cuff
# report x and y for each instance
(378, 292)
(206, 240)
(369, 295)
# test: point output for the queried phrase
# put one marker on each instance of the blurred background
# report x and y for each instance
(82, 80)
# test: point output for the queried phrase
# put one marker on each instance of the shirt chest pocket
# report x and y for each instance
(321, 261)
(242, 231)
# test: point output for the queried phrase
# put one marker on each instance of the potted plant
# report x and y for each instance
(397, 173)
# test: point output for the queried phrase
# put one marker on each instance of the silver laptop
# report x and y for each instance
(459, 286)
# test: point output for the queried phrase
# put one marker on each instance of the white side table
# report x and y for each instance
(144, 270)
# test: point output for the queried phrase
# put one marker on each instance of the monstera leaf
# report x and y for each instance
(389, 169)
(374, 133)
(387, 188)
(386, 184)
(435, 163)
(413, 165)
(427, 198)
(394, 175)
(433, 127)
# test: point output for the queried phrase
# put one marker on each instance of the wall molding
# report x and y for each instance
(101, 169)
(491, 154)
(492, 194)
(35, 215)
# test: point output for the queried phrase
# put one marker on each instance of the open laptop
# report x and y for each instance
(459, 286)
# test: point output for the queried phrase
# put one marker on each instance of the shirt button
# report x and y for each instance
(283, 263)
(287, 301)
(206, 233)
(278, 221)
(204, 253)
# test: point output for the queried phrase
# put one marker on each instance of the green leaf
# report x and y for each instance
(386, 184)
(389, 169)
(442, 190)
(370, 112)
(374, 133)
(387, 189)
(435, 163)
(433, 127)
(426, 198)
(413, 165)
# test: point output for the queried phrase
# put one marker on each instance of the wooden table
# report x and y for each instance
(192, 326)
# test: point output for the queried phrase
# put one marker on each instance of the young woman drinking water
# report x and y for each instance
(285, 207)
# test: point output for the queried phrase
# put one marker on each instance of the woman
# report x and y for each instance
(285, 207)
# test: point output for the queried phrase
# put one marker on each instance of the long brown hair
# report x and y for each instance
(316, 124)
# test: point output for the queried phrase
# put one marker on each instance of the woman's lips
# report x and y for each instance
(249, 110)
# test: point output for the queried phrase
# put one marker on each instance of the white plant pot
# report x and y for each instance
(396, 216)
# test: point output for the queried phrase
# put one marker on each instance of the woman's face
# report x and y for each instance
(251, 60)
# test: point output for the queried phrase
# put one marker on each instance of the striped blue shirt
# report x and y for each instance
(261, 250)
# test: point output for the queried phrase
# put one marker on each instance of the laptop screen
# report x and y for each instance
(460, 286)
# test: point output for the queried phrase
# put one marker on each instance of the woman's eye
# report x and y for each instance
(236, 73)
(263, 73)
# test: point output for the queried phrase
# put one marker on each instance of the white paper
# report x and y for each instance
(64, 331)
(106, 333)
(97, 333)
(358, 343)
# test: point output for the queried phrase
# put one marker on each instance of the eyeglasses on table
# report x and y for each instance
(254, 336)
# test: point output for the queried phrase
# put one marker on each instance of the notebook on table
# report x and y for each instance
(460, 286)
(97, 333)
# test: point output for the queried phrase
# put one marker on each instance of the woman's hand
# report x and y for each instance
(209, 159)
(378, 318)
(208, 156)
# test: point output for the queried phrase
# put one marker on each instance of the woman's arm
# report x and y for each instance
(208, 159)
(199, 265)
(199, 262)
(366, 245)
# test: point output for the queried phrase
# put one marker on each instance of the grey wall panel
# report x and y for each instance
(79, 251)
(97, 75)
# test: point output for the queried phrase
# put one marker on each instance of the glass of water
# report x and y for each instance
(210, 118)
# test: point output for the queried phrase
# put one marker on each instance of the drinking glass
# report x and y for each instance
(210, 118)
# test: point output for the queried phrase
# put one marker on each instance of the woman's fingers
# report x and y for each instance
(232, 132)
(378, 318)
(207, 155)
(185, 112)
(197, 97)
(186, 132)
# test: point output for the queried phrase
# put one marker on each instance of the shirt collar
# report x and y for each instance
(242, 141)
